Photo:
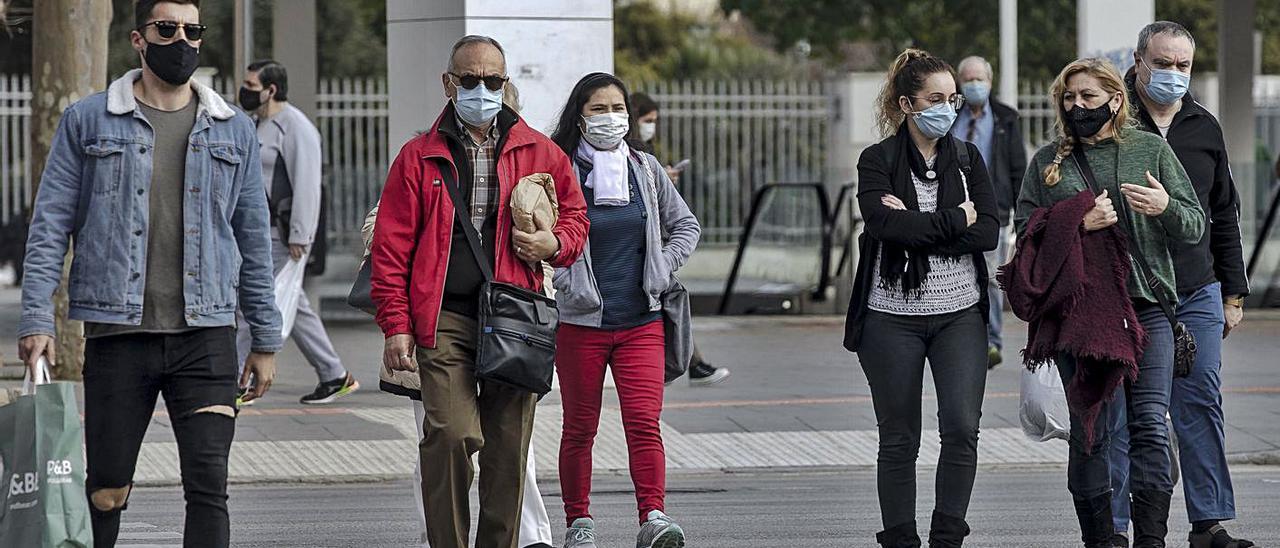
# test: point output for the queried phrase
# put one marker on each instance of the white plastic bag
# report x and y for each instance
(1043, 408)
(288, 291)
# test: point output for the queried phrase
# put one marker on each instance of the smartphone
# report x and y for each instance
(682, 165)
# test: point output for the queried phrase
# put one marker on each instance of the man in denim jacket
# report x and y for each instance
(157, 182)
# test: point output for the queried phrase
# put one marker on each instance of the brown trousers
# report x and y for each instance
(464, 417)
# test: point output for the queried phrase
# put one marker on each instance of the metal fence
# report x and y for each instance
(15, 145)
(740, 135)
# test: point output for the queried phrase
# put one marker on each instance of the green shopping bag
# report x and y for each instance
(42, 495)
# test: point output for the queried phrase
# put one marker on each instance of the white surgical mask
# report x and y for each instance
(648, 130)
(605, 131)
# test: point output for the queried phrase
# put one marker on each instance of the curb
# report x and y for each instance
(1257, 458)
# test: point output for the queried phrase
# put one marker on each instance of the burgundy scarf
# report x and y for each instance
(1072, 287)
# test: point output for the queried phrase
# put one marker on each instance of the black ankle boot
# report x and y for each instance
(1150, 511)
(900, 536)
(1096, 526)
(946, 531)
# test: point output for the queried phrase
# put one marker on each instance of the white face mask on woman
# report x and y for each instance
(648, 130)
(605, 131)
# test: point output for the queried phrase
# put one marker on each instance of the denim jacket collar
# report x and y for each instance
(120, 99)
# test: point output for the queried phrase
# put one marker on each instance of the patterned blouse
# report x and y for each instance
(950, 286)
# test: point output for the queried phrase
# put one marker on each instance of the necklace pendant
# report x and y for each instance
(931, 174)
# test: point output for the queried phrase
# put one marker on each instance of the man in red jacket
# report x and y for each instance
(426, 284)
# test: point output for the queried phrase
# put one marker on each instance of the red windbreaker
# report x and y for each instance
(411, 240)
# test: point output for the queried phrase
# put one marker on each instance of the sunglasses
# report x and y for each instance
(470, 81)
(168, 29)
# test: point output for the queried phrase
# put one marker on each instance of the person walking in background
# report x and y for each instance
(291, 160)
(920, 293)
(1098, 172)
(701, 373)
(426, 282)
(1211, 284)
(993, 127)
(156, 180)
(610, 303)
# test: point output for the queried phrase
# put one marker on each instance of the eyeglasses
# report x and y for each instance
(470, 81)
(956, 100)
(168, 29)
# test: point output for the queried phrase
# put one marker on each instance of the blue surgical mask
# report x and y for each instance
(1167, 86)
(976, 92)
(935, 121)
(477, 106)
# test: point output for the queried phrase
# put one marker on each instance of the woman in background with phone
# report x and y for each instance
(701, 373)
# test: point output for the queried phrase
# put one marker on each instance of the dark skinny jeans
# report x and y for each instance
(892, 354)
(196, 373)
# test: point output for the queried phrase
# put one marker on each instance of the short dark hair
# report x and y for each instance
(1162, 27)
(567, 133)
(271, 73)
(142, 9)
(643, 104)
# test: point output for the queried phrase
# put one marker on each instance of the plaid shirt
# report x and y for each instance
(484, 173)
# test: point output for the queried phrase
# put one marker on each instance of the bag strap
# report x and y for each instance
(473, 238)
(1135, 252)
(962, 154)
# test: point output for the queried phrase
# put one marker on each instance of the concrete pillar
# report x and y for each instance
(1107, 28)
(1236, 109)
(293, 44)
(1008, 89)
(853, 127)
(549, 44)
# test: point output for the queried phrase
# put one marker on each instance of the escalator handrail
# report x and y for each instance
(753, 215)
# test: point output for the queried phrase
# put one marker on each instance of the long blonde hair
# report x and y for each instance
(906, 76)
(1112, 83)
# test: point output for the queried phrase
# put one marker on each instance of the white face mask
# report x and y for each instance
(648, 130)
(605, 131)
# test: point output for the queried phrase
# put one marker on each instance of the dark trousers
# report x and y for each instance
(893, 354)
(1145, 404)
(196, 373)
(1195, 407)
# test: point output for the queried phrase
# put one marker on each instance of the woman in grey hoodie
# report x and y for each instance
(610, 304)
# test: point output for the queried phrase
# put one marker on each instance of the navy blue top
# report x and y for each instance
(617, 257)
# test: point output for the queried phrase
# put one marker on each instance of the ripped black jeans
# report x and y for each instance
(196, 372)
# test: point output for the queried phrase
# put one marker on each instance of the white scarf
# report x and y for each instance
(608, 177)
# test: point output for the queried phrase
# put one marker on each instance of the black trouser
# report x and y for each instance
(892, 354)
(196, 372)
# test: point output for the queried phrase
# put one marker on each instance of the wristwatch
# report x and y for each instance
(1237, 302)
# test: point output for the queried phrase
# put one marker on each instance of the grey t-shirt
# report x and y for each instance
(163, 304)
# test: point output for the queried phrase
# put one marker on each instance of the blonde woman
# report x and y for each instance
(1139, 187)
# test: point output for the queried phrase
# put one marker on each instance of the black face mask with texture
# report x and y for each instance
(174, 62)
(1087, 122)
(250, 100)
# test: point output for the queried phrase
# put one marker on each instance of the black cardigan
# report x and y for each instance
(939, 233)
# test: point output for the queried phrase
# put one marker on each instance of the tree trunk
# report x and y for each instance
(68, 63)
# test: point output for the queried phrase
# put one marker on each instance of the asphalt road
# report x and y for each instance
(1012, 507)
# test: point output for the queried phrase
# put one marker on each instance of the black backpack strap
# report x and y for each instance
(473, 238)
(962, 155)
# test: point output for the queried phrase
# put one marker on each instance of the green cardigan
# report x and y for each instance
(1126, 161)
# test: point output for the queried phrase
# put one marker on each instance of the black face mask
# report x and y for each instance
(1087, 122)
(173, 63)
(250, 100)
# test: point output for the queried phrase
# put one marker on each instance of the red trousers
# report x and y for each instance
(636, 357)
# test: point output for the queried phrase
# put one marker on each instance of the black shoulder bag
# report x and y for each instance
(516, 332)
(1184, 343)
